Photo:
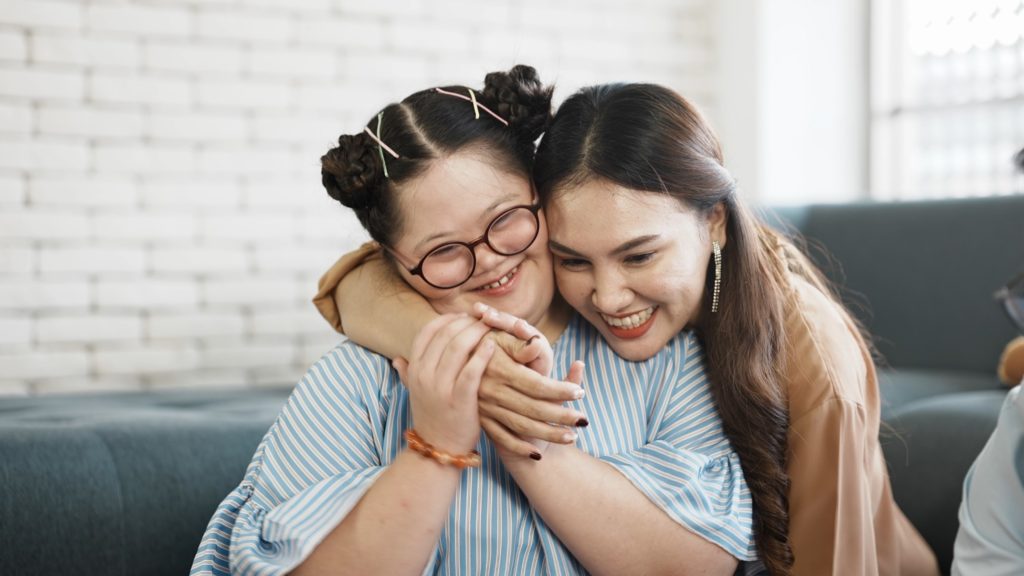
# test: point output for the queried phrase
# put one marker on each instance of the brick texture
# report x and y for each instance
(161, 219)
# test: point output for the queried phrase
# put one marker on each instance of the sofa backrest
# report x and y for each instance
(921, 275)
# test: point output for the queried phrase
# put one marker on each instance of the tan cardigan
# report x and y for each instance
(843, 519)
(842, 516)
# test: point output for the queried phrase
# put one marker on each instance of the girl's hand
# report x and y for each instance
(443, 377)
(527, 344)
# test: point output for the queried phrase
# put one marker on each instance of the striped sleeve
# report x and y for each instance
(314, 465)
(687, 467)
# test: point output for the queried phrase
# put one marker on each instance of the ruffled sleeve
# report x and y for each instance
(687, 467)
(317, 461)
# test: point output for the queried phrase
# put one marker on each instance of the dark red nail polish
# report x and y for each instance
(535, 455)
(582, 423)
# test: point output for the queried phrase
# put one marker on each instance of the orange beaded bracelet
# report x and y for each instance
(421, 446)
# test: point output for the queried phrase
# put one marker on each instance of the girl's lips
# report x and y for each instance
(634, 332)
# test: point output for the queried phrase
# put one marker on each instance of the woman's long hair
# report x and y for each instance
(647, 137)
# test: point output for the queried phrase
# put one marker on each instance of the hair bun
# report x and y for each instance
(521, 98)
(351, 171)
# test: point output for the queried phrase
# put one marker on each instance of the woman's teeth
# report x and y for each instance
(501, 281)
(631, 321)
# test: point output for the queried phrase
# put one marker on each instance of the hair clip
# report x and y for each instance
(476, 105)
(381, 146)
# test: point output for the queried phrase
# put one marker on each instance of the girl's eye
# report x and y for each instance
(639, 258)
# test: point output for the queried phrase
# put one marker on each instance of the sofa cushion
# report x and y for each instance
(121, 483)
(929, 445)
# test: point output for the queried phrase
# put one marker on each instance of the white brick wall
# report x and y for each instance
(161, 218)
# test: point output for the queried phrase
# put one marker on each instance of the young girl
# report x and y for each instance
(375, 467)
(650, 238)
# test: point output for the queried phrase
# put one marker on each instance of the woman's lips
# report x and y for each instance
(631, 326)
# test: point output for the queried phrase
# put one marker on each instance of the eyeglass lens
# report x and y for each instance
(452, 264)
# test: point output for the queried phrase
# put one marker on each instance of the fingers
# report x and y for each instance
(450, 347)
(506, 440)
(539, 410)
(576, 372)
(426, 334)
(503, 321)
(468, 382)
(402, 366)
(534, 385)
(526, 428)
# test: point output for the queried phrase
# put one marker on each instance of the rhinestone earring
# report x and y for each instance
(718, 275)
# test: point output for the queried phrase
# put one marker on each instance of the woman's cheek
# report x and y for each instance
(571, 287)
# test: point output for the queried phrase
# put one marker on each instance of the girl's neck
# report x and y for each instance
(554, 321)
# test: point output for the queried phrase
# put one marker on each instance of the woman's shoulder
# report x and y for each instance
(825, 356)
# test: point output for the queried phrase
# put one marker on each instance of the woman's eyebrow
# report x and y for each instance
(635, 243)
(624, 247)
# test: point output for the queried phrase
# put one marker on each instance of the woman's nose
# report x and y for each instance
(611, 295)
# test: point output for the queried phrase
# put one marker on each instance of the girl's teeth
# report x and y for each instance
(501, 281)
(631, 321)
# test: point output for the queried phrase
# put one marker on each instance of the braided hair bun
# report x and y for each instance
(520, 97)
(351, 172)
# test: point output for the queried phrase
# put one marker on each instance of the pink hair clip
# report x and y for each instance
(381, 146)
(476, 105)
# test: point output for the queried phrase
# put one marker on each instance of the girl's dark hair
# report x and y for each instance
(647, 137)
(429, 125)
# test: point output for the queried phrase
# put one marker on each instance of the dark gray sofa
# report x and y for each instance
(125, 483)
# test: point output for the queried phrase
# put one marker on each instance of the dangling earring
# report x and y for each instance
(718, 275)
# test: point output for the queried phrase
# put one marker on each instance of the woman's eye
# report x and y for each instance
(639, 258)
(572, 263)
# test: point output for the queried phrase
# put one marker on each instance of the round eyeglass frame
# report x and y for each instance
(471, 246)
(1012, 298)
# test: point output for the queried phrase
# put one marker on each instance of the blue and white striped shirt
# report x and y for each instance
(654, 421)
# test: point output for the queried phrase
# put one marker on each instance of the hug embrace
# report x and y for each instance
(582, 357)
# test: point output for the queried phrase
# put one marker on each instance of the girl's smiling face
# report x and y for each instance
(633, 263)
(455, 200)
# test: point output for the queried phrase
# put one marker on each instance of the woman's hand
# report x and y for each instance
(507, 428)
(521, 407)
(443, 377)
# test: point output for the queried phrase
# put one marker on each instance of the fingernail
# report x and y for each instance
(582, 423)
(569, 437)
(535, 455)
(578, 393)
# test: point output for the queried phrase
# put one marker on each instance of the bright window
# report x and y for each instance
(947, 98)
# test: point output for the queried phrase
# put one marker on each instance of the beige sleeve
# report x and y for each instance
(324, 300)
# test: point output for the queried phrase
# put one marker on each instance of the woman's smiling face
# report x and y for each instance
(455, 200)
(633, 263)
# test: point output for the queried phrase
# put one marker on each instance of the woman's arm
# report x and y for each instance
(379, 310)
(607, 523)
(396, 525)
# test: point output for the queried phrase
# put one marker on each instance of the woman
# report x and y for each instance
(649, 238)
(441, 180)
